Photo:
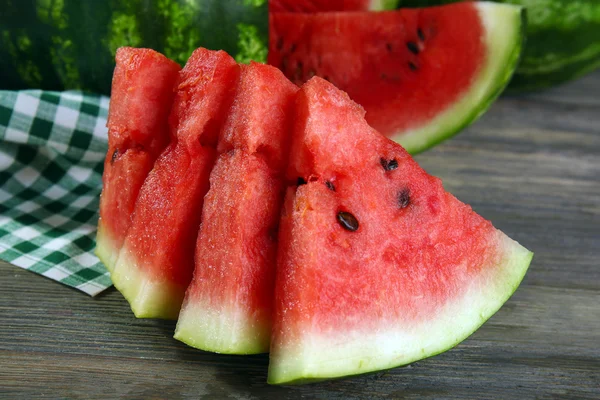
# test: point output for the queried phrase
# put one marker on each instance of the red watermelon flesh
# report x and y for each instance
(157, 259)
(228, 305)
(410, 69)
(142, 94)
(378, 265)
(311, 6)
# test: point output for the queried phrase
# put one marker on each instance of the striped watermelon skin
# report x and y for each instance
(71, 44)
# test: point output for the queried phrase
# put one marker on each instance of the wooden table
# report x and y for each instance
(531, 165)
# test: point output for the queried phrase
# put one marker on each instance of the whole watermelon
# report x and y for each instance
(70, 44)
(563, 40)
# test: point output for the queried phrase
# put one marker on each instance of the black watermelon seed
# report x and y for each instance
(293, 48)
(284, 63)
(347, 221)
(330, 186)
(301, 181)
(299, 70)
(388, 46)
(421, 34)
(412, 66)
(114, 156)
(404, 198)
(383, 76)
(388, 165)
(279, 43)
(412, 46)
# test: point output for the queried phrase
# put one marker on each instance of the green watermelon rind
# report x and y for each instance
(526, 79)
(106, 250)
(505, 27)
(221, 331)
(382, 5)
(482, 300)
(147, 297)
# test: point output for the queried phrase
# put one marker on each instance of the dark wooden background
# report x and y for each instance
(531, 165)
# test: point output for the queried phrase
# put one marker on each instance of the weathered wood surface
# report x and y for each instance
(531, 165)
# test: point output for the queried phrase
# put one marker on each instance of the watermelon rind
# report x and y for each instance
(546, 73)
(382, 5)
(106, 250)
(504, 39)
(320, 357)
(563, 42)
(148, 298)
(221, 330)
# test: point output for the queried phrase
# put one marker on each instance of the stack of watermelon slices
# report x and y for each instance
(276, 218)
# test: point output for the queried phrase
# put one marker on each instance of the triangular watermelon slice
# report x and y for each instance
(155, 264)
(421, 74)
(378, 265)
(228, 305)
(142, 95)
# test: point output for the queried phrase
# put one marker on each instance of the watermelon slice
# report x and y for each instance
(156, 262)
(142, 90)
(420, 74)
(311, 6)
(228, 305)
(378, 265)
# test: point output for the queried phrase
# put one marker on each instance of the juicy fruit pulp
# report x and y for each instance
(562, 40)
(378, 265)
(420, 74)
(312, 6)
(155, 264)
(137, 132)
(228, 304)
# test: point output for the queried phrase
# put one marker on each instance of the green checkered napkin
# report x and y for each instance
(52, 147)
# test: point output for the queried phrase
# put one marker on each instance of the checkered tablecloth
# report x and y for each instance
(52, 147)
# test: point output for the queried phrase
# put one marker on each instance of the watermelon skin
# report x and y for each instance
(156, 261)
(311, 6)
(422, 75)
(137, 133)
(70, 44)
(420, 273)
(562, 40)
(228, 305)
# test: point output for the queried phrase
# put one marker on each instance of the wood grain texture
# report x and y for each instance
(531, 165)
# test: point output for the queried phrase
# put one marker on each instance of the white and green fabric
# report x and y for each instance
(52, 147)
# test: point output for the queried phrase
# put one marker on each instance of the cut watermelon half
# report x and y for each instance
(312, 6)
(421, 74)
(156, 263)
(142, 95)
(228, 305)
(378, 265)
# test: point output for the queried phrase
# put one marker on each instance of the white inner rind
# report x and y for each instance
(386, 344)
(503, 39)
(148, 298)
(106, 249)
(223, 329)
